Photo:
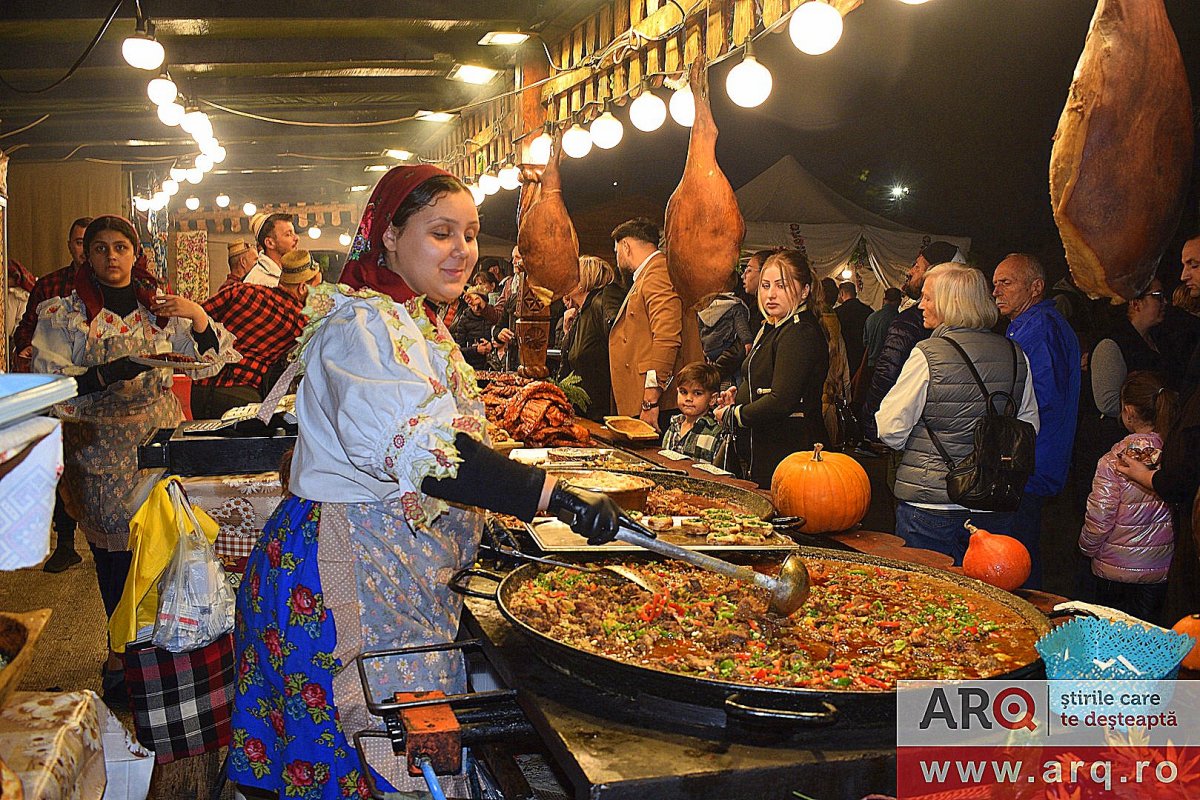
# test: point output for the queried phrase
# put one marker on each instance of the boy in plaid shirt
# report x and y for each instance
(694, 431)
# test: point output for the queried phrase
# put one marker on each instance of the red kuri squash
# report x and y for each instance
(996, 559)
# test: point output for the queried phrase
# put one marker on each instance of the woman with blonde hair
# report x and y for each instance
(777, 408)
(591, 308)
(936, 400)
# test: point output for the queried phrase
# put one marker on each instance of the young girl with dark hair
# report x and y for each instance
(1127, 531)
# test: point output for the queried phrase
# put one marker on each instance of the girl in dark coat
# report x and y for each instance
(779, 402)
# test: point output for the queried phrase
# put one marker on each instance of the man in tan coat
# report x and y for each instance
(653, 336)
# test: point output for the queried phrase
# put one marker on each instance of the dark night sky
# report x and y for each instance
(957, 99)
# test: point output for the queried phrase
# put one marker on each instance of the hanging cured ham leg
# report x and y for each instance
(1123, 149)
(550, 249)
(546, 236)
(704, 227)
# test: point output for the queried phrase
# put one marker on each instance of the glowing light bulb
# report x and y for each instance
(539, 149)
(171, 187)
(815, 27)
(683, 106)
(158, 202)
(314, 232)
(141, 203)
(197, 124)
(489, 184)
(607, 131)
(141, 51)
(749, 83)
(847, 274)
(194, 175)
(344, 240)
(577, 142)
(170, 114)
(178, 173)
(509, 177)
(218, 154)
(204, 162)
(222, 201)
(249, 209)
(162, 90)
(476, 193)
(647, 112)
(913, 2)
(192, 203)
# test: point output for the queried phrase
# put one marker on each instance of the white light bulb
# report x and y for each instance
(647, 112)
(509, 177)
(249, 209)
(314, 232)
(222, 201)
(194, 175)
(489, 184)
(142, 52)
(683, 106)
(344, 240)
(158, 203)
(207, 146)
(141, 203)
(171, 187)
(847, 274)
(607, 131)
(204, 162)
(161, 91)
(914, 2)
(160, 197)
(749, 83)
(178, 173)
(197, 124)
(815, 27)
(218, 154)
(539, 149)
(192, 203)
(170, 114)
(476, 193)
(577, 142)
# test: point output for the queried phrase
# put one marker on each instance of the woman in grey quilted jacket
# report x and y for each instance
(1127, 531)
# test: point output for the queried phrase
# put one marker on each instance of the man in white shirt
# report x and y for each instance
(276, 238)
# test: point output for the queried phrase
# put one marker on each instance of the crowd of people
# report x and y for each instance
(379, 495)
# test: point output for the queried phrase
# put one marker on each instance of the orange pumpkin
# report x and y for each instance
(1191, 626)
(996, 559)
(830, 490)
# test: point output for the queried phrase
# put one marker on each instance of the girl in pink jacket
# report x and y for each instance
(1128, 532)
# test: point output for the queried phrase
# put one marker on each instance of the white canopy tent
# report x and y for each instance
(786, 206)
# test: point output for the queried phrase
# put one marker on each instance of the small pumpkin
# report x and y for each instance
(1190, 625)
(830, 490)
(995, 558)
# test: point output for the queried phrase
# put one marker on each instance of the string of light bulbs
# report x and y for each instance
(815, 27)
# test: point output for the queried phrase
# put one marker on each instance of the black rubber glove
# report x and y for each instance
(121, 370)
(589, 514)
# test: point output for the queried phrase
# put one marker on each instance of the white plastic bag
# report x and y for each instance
(195, 602)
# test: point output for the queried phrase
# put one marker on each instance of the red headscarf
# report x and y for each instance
(366, 268)
(145, 285)
(18, 276)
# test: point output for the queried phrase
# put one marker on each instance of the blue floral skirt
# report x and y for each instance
(287, 736)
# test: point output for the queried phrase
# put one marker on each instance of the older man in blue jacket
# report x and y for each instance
(1053, 349)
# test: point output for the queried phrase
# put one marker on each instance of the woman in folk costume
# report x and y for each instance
(391, 427)
(116, 310)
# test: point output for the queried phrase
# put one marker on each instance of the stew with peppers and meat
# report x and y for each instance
(863, 627)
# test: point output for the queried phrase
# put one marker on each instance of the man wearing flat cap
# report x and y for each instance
(266, 321)
(276, 237)
(241, 258)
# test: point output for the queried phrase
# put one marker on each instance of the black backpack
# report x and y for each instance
(993, 476)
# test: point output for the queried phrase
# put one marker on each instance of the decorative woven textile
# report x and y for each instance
(191, 265)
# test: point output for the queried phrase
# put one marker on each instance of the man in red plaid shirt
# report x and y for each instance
(265, 321)
(59, 283)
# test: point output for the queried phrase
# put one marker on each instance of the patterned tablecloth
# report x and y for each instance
(241, 505)
(52, 740)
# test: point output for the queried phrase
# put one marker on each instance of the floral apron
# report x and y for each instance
(101, 436)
